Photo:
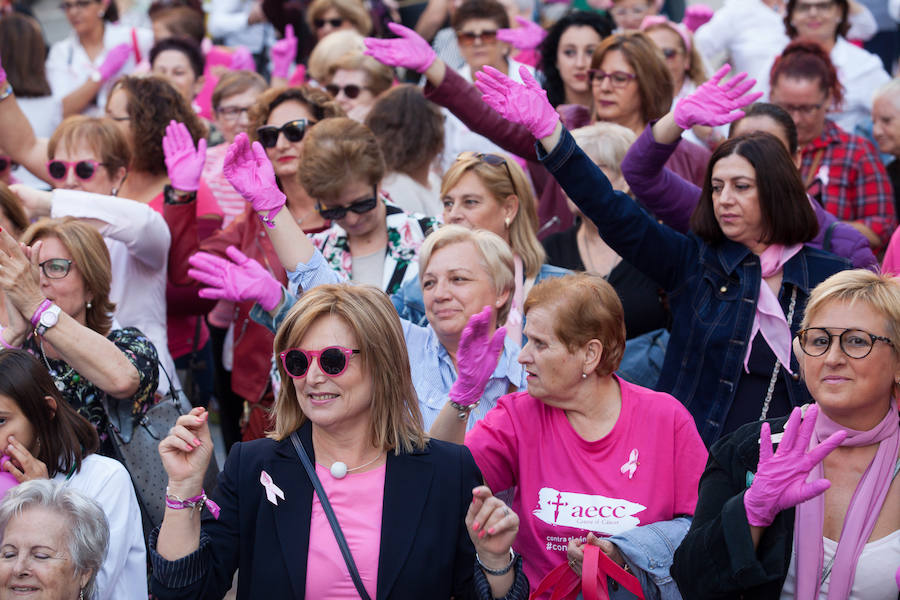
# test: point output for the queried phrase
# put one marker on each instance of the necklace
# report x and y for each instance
(339, 469)
(58, 377)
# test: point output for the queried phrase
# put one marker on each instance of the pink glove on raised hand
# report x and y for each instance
(248, 170)
(184, 163)
(283, 53)
(242, 60)
(115, 60)
(528, 36)
(780, 480)
(238, 280)
(409, 51)
(696, 15)
(476, 358)
(524, 104)
(713, 104)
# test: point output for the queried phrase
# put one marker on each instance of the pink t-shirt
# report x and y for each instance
(891, 263)
(645, 470)
(357, 500)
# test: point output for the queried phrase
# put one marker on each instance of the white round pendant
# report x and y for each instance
(338, 470)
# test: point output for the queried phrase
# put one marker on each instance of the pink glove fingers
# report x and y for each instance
(208, 262)
(810, 490)
(206, 278)
(765, 443)
(236, 255)
(823, 449)
(211, 293)
(721, 73)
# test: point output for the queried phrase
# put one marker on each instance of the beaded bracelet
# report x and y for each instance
(498, 572)
(198, 502)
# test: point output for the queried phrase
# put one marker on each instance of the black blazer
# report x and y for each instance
(425, 549)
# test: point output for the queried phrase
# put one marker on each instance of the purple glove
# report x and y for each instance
(242, 60)
(409, 51)
(780, 480)
(476, 358)
(528, 36)
(713, 104)
(237, 280)
(248, 170)
(114, 61)
(524, 104)
(696, 15)
(183, 162)
(283, 53)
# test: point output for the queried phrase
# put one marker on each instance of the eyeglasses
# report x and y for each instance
(625, 10)
(819, 7)
(84, 169)
(79, 4)
(292, 130)
(618, 79)
(467, 38)
(856, 343)
(351, 91)
(320, 23)
(359, 207)
(232, 113)
(333, 360)
(806, 110)
(56, 268)
(495, 160)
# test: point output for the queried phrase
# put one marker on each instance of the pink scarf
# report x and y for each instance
(514, 319)
(865, 506)
(769, 318)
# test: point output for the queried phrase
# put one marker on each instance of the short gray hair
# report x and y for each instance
(891, 91)
(88, 528)
(605, 143)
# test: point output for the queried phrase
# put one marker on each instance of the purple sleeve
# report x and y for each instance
(669, 197)
(845, 240)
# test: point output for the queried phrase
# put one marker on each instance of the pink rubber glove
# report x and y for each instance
(183, 162)
(238, 280)
(524, 104)
(476, 357)
(283, 53)
(7, 479)
(528, 36)
(713, 104)
(248, 170)
(696, 15)
(115, 60)
(409, 51)
(2, 74)
(780, 480)
(242, 60)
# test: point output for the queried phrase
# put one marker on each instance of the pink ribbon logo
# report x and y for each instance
(631, 466)
(272, 490)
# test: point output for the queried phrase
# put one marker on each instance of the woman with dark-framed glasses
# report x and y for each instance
(818, 516)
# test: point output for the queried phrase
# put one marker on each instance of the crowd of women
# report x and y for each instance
(505, 300)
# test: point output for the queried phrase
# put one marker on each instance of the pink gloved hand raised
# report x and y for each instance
(696, 15)
(242, 60)
(527, 36)
(780, 480)
(713, 104)
(248, 170)
(476, 357)
(238, 280)
(524, 104)
(283, 53)
(114, 61)
(184, 163)
(409, 51)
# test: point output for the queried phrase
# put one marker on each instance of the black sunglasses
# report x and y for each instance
(351, 91)
(292, 130)
(320, 23)
(359, 207)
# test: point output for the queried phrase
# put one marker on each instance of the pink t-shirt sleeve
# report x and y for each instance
(891, 262)
(690, 461)
(494, 443)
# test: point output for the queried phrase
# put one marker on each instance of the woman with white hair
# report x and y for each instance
(44, 520)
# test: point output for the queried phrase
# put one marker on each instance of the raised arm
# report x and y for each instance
(17, 135)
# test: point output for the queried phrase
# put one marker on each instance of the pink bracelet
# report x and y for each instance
(269, 218)
(198, 502)
(6, 344)
(40, 310)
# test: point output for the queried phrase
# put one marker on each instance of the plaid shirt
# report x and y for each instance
(849, 180)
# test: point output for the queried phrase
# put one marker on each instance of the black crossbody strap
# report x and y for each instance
(332, 519)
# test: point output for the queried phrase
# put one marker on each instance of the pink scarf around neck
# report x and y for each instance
(865, 506)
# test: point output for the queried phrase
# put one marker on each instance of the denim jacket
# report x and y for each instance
(712, 289)
(648, 550)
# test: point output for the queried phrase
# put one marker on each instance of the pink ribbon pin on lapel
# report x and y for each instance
(272, 490)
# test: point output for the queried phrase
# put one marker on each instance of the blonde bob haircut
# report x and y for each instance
(336, 153)
(605, 144)
(379, 77)
(329, 50)
(367, 311)
(89, 253)
(586, 307)
(496, 257)
(352, 10)
(503, 181)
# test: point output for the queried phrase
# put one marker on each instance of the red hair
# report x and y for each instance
(803, 59)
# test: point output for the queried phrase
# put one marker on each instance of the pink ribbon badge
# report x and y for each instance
(631, 466)
(272, 490)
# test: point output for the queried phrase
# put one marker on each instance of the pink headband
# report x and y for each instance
(654, 20)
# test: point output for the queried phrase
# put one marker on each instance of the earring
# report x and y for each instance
(507, 221)
(584, 375)
(88, 305)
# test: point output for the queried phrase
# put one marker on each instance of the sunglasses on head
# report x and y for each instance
(359, 207)
(495, 160)
(292, 130)
(467, 38)
(333, 360)
(320, 23)
(351, 91)
(84, 169)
